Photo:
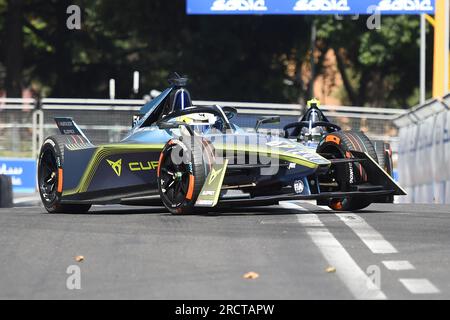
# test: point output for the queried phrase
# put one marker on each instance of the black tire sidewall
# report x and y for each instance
(52, 145)
(349, 174)
(197, 167)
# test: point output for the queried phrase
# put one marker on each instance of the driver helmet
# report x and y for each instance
(201, 122)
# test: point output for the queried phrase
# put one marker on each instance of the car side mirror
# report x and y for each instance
(266, 120)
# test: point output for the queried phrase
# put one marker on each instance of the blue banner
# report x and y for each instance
(309, 7)
(22, 173)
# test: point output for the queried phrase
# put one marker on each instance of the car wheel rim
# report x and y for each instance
(174, 179)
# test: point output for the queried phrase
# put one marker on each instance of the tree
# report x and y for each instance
(14, 48)
(247, 58)
(378, 67)
(2, 43)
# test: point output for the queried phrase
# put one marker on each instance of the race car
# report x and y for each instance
(314, 126)
(192, 159)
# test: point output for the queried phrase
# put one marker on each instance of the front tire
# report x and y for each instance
(50, 177)
(339, 145)
(183, 168)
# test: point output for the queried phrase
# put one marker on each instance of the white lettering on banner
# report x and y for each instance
(10, 171)
(239, 5)
(405, 5)
(322, 5)
(16, 182)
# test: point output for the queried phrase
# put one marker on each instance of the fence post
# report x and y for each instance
(38, 132)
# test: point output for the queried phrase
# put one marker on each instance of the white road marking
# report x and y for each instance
(372, 238)
(378, 245)
(309, 220)
(398, 265)
(419, 286)
(392, 212)
(347, 270)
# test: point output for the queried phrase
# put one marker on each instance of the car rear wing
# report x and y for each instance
(68, 127)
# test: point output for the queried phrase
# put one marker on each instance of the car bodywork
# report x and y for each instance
(127, 172)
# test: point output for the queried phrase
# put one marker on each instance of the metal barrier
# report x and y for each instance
(16, 127)
(424, 153)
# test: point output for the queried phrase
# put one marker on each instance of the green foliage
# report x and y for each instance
(227, 57)
(385, 62)
(2, 49)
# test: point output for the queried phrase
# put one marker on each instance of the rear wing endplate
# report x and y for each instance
(68, 127)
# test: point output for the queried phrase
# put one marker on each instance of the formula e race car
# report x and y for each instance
(192, 159)
(314, 126)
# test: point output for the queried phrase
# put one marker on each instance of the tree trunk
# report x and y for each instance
(347, 84)
(14, 48)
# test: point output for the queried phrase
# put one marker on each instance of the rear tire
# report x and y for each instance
(183, 168)
(339, 145)
(50, 170)
(384, 156)
(6, 192)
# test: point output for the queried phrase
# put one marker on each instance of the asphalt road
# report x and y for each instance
(135, 253)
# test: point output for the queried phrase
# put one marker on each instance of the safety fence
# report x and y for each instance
(424, 152)
(24, 123)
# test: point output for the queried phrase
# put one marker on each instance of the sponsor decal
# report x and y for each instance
(352, 174)
(322, 5)
(205, 203)
(299, 186)
(50, 142)
(405, 5)
(310, 7)
(135, 166)
(116, 166)
(239, 5)
(22, 173)
(210, 193)
(143, 166)
(214, 175)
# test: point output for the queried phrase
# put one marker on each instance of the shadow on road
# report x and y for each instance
(214, 212)
(100, 211)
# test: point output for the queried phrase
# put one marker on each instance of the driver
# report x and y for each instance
(200, 122)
